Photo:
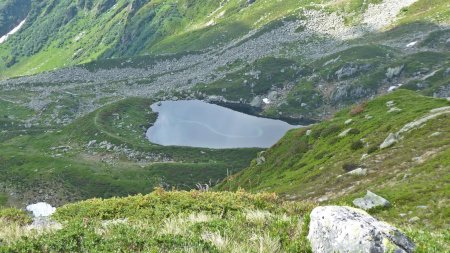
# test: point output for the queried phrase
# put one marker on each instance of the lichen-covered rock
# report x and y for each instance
(346, 229)
(256, 102)
(389, 141)
(371, 200)
(394, 72)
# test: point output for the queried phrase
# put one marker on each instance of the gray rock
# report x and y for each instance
(272, 95)
(414, 219)
(435, 134)
(394, 109)
(394, 72)
(256, 102)
(371, 200)
(389, 141)
(91, 143)
(345, 132)
(358, 172)
(346, 71)
(261, 159)
(346, 229)
(349, 121)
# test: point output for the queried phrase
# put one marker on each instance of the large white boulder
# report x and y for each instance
(41, 209)
(347, 229)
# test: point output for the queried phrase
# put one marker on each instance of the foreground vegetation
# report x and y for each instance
(180, 222)
(174, 222)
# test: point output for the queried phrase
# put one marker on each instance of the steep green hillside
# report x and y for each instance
(314, 163)
(66, 33)
(12, 12)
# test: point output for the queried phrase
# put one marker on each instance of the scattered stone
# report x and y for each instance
(308, 132)
(389, 141)
(272, 95)
(345, 133)
(412, 44)
(358, 172)
(414, 219)
(346, 229)
(402, 214)
(349, 121)
(394, 109)
(435, 134)
(368, 116)
(394, 72)
(260, 159)
(91, 143)
(346, 71)
(322, 199)
(371, 200)
(422, 207)
(364, 156)
(390, 104)
(256, 102)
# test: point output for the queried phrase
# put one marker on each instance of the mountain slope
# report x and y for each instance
(316, 163)
(66, 33)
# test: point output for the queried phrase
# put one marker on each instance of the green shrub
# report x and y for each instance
(357, 145)
(373, 149)
(15, 216)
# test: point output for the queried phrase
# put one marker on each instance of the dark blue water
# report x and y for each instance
(198, 124)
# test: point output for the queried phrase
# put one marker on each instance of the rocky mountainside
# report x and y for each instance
(370, 80)
(305, 60)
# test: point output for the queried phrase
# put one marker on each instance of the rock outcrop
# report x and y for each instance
(371, 200)
(346, 229)
(389, 141)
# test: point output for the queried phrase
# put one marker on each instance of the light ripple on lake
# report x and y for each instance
(198, 124)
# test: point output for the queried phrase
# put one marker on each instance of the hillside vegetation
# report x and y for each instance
(66, 33)
(103, 154)
(316, 163)
(180, 222)
(170, 222)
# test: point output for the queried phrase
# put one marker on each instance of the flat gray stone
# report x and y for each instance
(371, 200)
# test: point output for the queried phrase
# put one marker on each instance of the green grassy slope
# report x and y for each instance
(60, 163)
(312, 163)
(66, 33)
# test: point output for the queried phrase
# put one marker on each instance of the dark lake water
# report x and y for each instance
(198, 124)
